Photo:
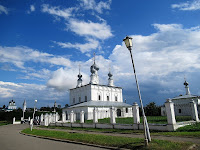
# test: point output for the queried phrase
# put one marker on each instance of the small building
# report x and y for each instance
(96, 96)
(12, 106)
(182, 103)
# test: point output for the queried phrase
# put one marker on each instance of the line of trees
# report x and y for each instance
(151, 109)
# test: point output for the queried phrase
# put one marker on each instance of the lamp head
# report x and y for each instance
(36, 100)
(128, 42)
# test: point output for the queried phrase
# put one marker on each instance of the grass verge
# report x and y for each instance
(3, 123)
(120, 142)
(187, 131)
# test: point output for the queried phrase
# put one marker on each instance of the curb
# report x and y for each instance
(73, 142)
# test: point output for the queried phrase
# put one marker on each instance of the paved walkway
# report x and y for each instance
(135, 135)
(11, 139)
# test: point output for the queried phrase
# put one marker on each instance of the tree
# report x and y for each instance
(4, 106)
(152, 110)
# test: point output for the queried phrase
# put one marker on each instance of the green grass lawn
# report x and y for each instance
(120, 142)
(151, 119)
(3, 123)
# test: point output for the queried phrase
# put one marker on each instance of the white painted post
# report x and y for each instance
(46, 119)
(72, 117)
(82, 116)
(49, 119)
(29, 118)
(136, 115)
(14, 120)
(53, 117)
(57, 117)
(194, 111)
(169, 105)
(63, 116)
(41, 118)
(95, 118)
(112, 115)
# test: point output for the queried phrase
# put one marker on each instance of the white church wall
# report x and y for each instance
(182, 106)
(103, 92)
(81, 92)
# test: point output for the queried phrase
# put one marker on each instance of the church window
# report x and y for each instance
(85, 98)
(126, 110)
(79, 99)
(99, 97)
(107, 98)
(73, 100)
(115, 98)
(179, 110)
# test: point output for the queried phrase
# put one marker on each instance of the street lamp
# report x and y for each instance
(55, 111)
(33, 114)
(147, 138)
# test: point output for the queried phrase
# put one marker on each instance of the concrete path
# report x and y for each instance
(11, 139)
(135, 135)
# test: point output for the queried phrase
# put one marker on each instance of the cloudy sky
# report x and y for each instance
(42, 44)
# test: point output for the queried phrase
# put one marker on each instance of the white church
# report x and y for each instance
(182, 105)
(94, 96)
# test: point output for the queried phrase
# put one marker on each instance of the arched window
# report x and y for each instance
(107, 98)
(85, 98)
(99, 97)
(115, 98)
(79, 99)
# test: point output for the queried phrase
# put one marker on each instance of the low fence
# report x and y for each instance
(158, 127)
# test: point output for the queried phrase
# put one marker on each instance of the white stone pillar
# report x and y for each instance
(46, 120)
(136, 115)
(41, 118)
(82, 116)
(112, 115)
(169, 105)
(49, 119)
(95, 118)
(63, 116)
(194, 111)
(72, 117)
(14, 120)
(56, 117)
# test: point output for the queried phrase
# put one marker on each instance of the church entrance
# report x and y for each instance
(118, 112)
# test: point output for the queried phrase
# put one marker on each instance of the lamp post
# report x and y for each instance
(147, 138)
(33, 114)
(55, 111)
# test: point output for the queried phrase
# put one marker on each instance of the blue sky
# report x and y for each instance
(43, 42)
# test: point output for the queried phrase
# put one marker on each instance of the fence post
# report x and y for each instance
(169, 105)
(95, 118)
(194, 110)
(14, 120)
(41, 118)
(63, 116)
(72, 117)
(112, 115)
(82, 116)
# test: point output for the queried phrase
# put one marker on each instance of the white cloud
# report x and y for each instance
(3, 10)
(86, 47)
(187, 6)
(98, 7)
(97, 30)
(32, 9)
(57, 11)
(20, 55)
(21, 91)
(65, 79)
